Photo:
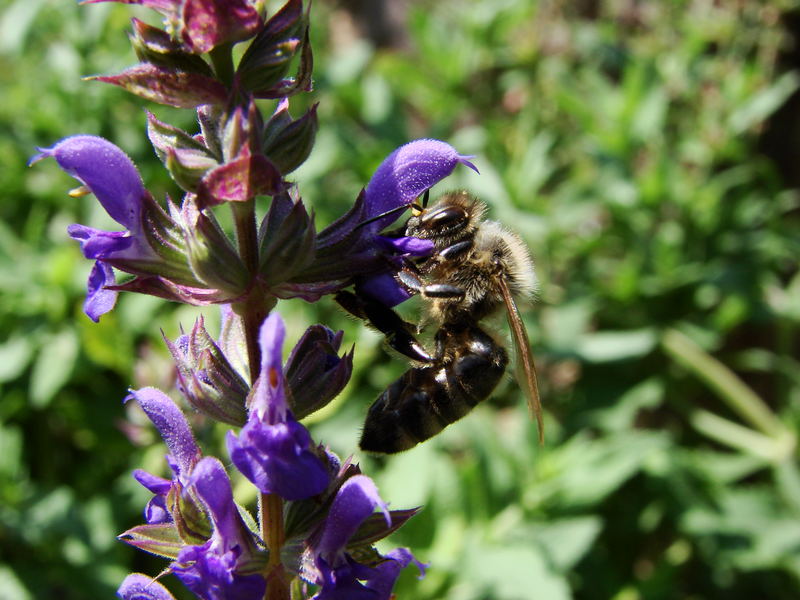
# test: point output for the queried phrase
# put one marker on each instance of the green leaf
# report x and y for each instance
(53, 367)
(566, 541)
(606, 346)
(15, 354)
(513, 572)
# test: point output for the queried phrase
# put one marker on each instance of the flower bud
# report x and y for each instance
(213, 259)
(288, 142)
(286, 240)
(315, 372)
(186, 157)
(269, 56)
(155, 46)
(207, 379)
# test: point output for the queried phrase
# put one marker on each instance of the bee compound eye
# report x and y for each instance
(445, 218)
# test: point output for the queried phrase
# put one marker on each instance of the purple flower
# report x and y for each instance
(273, 450)
(137, 586)
(407, 173)
(184, 451)
(156, 510)
(340, 576)
(225, 567)
(400, 179)
(112, 177)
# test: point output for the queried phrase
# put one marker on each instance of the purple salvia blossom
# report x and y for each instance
(113, 178)
(137, 586)
(223, 568)
(273, 450)
(399, 180)
(408, 172)
(402, 177)
(184, 452)
(156, 510)
(338, 573)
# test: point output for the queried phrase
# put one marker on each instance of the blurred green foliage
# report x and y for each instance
(624, 140)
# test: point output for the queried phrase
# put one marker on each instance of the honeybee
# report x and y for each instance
(477, 266)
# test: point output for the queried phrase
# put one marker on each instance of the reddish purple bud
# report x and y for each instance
(210, 23)
(240, 180)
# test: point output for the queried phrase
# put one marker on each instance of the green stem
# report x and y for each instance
(253, 310)
(222, 59)
(273, 534)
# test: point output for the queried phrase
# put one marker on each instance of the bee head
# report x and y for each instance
(454, 217)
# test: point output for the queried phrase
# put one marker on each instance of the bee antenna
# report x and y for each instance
(425, 197)
(392, 211)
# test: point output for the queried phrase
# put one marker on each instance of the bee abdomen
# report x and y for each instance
(425, 400)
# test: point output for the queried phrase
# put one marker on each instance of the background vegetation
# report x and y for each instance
(646, 151)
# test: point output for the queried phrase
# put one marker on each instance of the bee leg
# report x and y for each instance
(398, 333)
(455, 251)
(412, 282)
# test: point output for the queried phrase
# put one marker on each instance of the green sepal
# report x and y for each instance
(161, 539)
(192, 525)
(269, 56)
(213, 258)
(374, 528)
(220, 392)
(286, 240)
(155, 46)
(288, 142)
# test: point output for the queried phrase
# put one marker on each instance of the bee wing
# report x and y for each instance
(526, 370)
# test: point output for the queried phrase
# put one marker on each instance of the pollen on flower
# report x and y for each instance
(273, 377)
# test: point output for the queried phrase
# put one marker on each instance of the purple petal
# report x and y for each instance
(406, 245)
(173, 427)
(387, 572)
(213, 576)
(214, 488)
(355, 501)
(270, 399)
(210, 570)
(99, 300)
(383, 287)
(106, 171)
(408, 172)
(343, 582)
(278, 459)
(137, 586)
(153, 483)
(96, 243)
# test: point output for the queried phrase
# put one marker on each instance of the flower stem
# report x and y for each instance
(255, 308)
(274, 535)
